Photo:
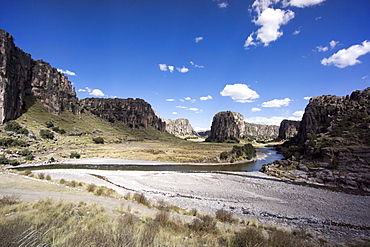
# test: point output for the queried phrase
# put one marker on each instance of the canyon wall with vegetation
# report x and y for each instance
(180, 128)
(230, 127)
(332, 146)
(22, 77)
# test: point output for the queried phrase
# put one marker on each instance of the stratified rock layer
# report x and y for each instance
(332, 146)
(21, 76)
(136, 113)
(228, 126)
(180, 128)
(288, 129)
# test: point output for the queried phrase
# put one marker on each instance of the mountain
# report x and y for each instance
(180, 128)
(288, 129)
(230, 126)
(21, 77)
(332, 146)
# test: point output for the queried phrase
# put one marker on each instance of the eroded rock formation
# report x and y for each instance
(21, 76)
(288, 129)
(230, 126)
(180, 128)
(332, 146)
(136, 113)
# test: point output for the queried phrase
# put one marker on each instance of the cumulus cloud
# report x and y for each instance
(183, 69)
(174, 113)
(86, 90)
(170, 100)
(240, 93)
(163, 67)
(196, 110)
(322, 48)
(181, 107)
(188, 99)
(196, 65)
(255, 109)
(276, 120)
(66, 72)
(198, 39)
(97, 93)
(331, 46)
(301, 3)
(347, 57)
(171, 68)
(223, 5)
(296, 32)
(307, 98)
(276, 103)
(204, 98)
(298, 113)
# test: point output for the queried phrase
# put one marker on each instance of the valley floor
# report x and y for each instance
(338, 217)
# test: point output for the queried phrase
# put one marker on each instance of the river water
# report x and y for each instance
(271, 156)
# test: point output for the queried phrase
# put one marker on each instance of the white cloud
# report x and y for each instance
(196, 110)
(223, 5)
(255, 109)
(301, 3)
(249, 41)
(97, 93)
(170, 100)
(86, 89)
(188, 99)
(318, 18)
(181, 107)
(183, 69)
(174, 113)
(270, 121)
(67, 72)
(171, 68)
(333, 44)
(307, 98)
(364, 77)
(296, 32)
(196, 65)
(276, 103)
(240, 93)
(347, 57)
(198, 39)
(322, 48)
(163, 67)
(298, 113)
(204, 98)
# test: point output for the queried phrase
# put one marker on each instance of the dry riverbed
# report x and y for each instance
(338, 217)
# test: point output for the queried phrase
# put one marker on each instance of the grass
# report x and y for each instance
(55, 223)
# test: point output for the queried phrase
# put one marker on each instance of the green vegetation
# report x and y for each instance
(15, 127)
(46, 134)
(247, 151)
(75, 155)
(98, 140)
(10, 142)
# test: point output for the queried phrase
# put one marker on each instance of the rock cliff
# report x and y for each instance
(136, 113)
(180, 128)
(332, 146)
(21, 76)
(288, 129)
(230, 126)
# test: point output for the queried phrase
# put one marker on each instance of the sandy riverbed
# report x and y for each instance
(252, 195)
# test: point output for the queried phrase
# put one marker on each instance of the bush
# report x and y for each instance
(46, 134)
(98, 140)
(75, 155)
(48, 177)
(60, 131)
(49, 124)
(12, 126)
(224, 215)
(249, 237)
(25, 152)
(10, 142)
(140, 198)
(203, 223)
(162, 217)
(9, 200)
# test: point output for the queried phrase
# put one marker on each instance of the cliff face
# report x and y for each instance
(21, 76)
(180, 128)
(229, 125)
(332, 146)
(288, 129)
(136, 113)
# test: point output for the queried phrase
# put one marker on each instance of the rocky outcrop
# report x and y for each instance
(332, 146)
(136, 113)
(288, 129)
(230, 126)
(21, 76)
(180, 128)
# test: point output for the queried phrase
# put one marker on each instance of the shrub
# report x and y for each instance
(140, 198)
(162, 217)
(41, 176)
(75, 155)
(224, 215)
(30, 157)
(49, 124)
(46, 134)
(9, 200)
(203, 223)
(249, 236)
(91, 187)
(10, 142)
(224, 155)
(25, 152)
(3, 160)
(98, 140)
(48, 177)
(12, 126)
(62, 181)
(60, 131)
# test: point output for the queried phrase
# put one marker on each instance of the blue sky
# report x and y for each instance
(194, 58)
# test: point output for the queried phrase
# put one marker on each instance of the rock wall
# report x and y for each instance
(180, 128)
(226, 126)
(288, 129)
(136, 113)
(21, 76)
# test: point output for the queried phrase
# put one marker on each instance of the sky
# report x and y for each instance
(194, 58)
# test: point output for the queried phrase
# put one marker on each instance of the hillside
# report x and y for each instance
(332, 146)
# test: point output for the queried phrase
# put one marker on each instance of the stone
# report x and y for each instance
(180, 128)
(288, 129)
